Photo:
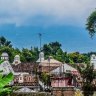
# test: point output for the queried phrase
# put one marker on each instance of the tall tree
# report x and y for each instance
(27, 55)
(51, 48)
(55, 46)
(35, 53)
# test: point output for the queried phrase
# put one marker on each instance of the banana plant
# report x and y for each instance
(4, 82)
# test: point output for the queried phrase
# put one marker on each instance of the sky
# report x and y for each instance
(58, 20)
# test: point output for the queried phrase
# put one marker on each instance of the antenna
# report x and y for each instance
(40, 36)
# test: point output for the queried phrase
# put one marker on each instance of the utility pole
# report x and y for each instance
(40, 36)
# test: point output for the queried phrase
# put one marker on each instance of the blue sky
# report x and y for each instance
(57, 20)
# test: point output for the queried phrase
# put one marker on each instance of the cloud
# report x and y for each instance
(45, 12)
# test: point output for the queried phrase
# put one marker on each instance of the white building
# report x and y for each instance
(16, 60)
(41, 57)
(4, 56)
(6, 67)
(93, 60)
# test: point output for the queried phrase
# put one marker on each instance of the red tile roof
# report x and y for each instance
(24, 67)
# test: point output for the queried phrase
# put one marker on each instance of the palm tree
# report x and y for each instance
(5, 42)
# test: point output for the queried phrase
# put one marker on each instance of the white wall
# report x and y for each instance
(93, 60)
(6, 67)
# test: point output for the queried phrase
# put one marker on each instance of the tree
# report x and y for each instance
(88, 75)
(55, 46)
(45, 79)
(60, 55)
(35, 53)
(91, 23)
(27, 55)
(47, 50)
(51, 48)
(5, 42)
(76, 57)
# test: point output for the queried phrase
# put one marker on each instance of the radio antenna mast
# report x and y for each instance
(40, 37)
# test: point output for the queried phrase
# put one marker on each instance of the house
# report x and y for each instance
(57, 71)
(48, 64)
(27, 80)
(60, 77)
(62, 81)
(23, 72)
(24, 76)
(65, 68)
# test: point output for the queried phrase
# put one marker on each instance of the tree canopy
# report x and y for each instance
(91, 23)
(5, 42)
(88, 75)
(53, 49)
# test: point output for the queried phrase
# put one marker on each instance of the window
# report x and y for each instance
(29, 78)
(94, 57)
(20, 78)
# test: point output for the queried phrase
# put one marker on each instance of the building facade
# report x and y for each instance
(93, 60)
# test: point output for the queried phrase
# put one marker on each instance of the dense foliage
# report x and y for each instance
(91, 23)
(88, 75)
(52, 49)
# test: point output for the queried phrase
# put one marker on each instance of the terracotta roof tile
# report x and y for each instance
(24, 67)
